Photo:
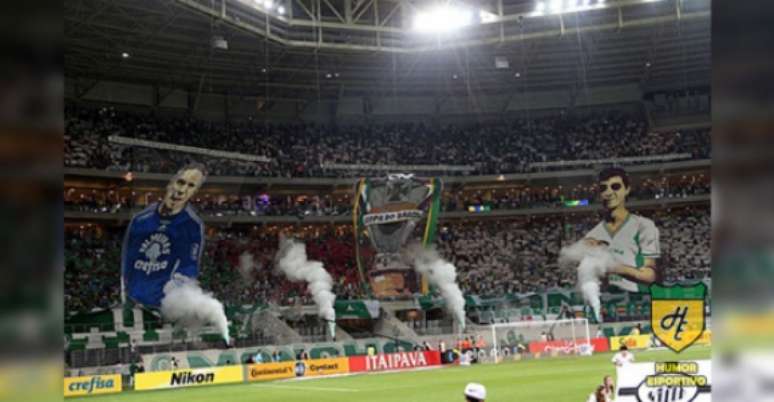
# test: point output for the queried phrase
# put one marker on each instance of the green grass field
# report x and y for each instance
(569, 379)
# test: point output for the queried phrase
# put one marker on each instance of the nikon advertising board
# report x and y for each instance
(188, 378)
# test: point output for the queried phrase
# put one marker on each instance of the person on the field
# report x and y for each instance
(633, 240)
(480, 344)
(623, 357)
(598, 395)
(475, 392)
(494, 354)
(604, 392)
(609, 387)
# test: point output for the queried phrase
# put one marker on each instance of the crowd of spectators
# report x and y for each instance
(92, 271)
(303, 150)
(302, 205)
(262, 204)
(92, 278)
(492, 257)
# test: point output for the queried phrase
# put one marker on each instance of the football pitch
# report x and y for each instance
(568, 379)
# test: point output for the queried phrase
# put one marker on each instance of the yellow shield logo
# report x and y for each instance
(677, 314)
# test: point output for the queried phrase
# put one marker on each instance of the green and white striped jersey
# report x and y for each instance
(635, 240)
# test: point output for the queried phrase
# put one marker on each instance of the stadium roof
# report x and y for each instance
(333, 48)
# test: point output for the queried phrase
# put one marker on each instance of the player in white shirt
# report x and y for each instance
(623, 357)
(632, 240)
(494, 354)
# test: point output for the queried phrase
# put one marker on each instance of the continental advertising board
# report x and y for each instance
(300, 368)
(188, 378)
(270, 371)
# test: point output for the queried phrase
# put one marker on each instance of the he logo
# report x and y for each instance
(155, 246)
(677, 314)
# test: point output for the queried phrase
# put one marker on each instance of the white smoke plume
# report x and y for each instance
(593, 262)
(441, 274)
(187, 304)
(247, 265)
(292, 261)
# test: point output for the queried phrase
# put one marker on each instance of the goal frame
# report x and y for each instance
(584, 324)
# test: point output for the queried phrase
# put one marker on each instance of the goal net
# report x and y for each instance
(547, 338)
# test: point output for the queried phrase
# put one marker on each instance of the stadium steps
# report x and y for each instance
(150, 336)
(95, 339)
(391, 325)
(77, 344)
(342, 335)
(272, 325)
(101, 320)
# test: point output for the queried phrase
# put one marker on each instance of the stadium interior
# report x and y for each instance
(515, 105)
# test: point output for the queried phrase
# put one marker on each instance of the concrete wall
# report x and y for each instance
(209, 106)
(607, 95)
(354, 110)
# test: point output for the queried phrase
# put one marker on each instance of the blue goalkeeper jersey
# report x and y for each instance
(157, 247)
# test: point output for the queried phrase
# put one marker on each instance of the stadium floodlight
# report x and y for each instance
(487, 17)
(555, 6)
(281, 10)
(540, 8)
(268, 4)
(442, 19)
(125, 55)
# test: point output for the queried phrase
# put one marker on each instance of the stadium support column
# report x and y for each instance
(225, 106)
(190, 101)
(156, 96)
(436, 119)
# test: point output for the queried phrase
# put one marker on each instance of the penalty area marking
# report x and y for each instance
(307, 388)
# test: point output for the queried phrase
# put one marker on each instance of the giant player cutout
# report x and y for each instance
(633, 240)
(163, 241)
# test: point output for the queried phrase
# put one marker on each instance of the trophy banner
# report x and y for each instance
(387, 210)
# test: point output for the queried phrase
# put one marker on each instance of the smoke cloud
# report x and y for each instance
(441, 274)
(292, 261)
(593, 262)
(187, 304)
(247, 265)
